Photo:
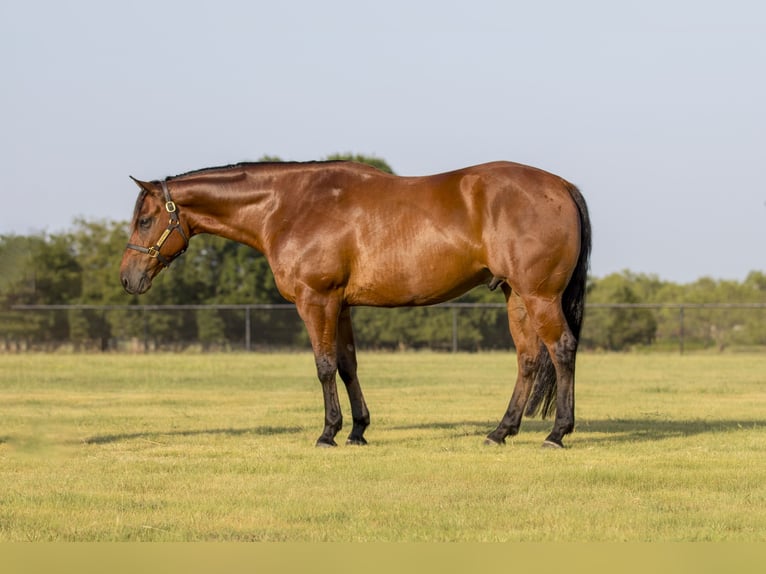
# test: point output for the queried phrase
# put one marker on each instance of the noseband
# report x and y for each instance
(173, 225)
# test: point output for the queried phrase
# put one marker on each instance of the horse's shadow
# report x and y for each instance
(617, 430)
(153, 435)
(654, 428)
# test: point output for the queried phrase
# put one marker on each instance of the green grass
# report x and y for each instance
(220, 447)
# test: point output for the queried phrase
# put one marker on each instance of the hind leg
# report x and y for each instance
(527, 345)
(552, 328)
(563, 353)
(347, 370)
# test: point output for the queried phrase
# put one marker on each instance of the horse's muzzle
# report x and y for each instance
(135, 283)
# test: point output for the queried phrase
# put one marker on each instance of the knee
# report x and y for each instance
(326, 368)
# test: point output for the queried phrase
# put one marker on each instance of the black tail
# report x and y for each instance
(543, 397)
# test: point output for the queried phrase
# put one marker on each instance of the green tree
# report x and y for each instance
(374, 161)
(98, 247)
(37, 270)
(484, 328)
(618, 329)
(753, 330)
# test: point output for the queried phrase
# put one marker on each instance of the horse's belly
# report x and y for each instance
(403, 281)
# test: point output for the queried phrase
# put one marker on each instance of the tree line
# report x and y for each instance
(81, 267)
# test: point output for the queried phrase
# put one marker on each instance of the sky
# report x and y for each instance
(656, 109)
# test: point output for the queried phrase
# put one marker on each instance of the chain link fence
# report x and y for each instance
(447, 327)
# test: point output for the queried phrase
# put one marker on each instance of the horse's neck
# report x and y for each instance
(236, 212)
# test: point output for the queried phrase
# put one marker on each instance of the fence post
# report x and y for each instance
(146, 330)
(247, 329)
(681, 329)
(454, 329)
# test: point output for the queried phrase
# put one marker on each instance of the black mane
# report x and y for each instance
(247, 164)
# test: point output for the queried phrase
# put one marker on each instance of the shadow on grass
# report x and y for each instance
(615, 430)
(153, 435)
(610, 430)
(653, 428)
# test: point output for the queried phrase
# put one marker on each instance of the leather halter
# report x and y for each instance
(173, 225)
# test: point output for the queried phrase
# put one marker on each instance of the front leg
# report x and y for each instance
(320, 315)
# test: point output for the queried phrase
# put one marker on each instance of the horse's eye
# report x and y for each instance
(145, 222)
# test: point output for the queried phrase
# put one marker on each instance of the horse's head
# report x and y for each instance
(157, 237)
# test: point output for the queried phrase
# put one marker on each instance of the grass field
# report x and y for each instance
(220, 447)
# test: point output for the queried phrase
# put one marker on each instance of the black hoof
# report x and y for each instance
(324, 443)
(356, 441)
(489, 441)
(549, 443)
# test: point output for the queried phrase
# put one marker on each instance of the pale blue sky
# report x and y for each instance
(655, 109)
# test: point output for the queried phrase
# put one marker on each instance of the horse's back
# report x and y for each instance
(391, 240)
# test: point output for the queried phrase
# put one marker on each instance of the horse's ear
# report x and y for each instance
(142, 184)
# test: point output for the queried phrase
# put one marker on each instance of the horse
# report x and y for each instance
(339, 234)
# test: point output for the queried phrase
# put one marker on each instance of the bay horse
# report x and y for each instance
(340, 234)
